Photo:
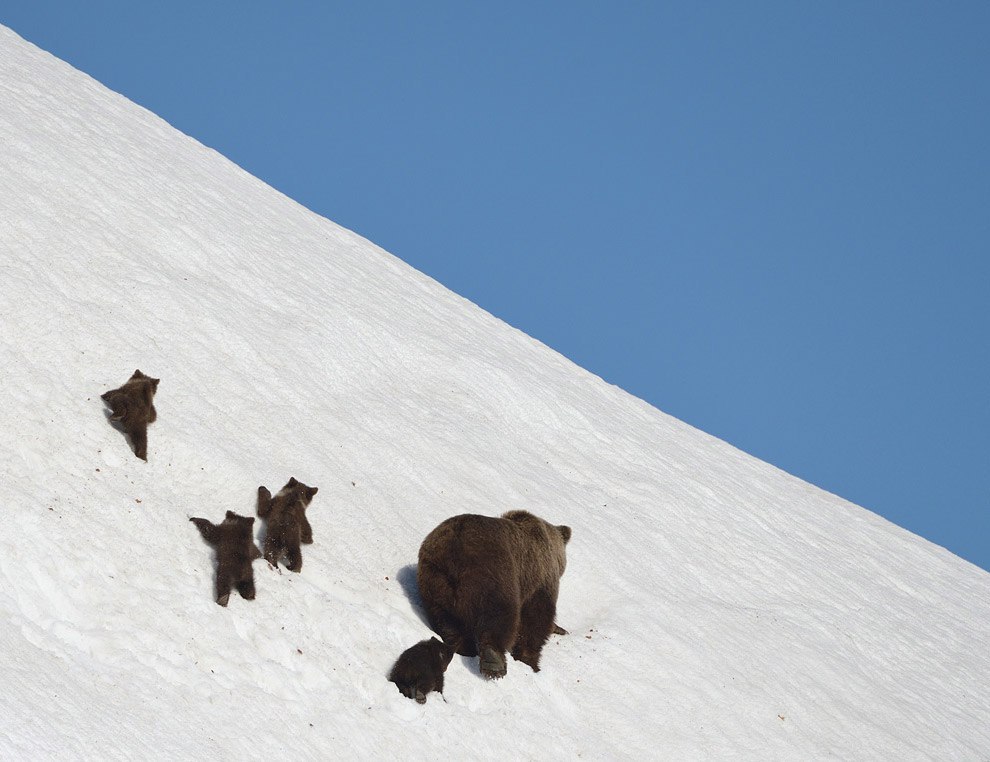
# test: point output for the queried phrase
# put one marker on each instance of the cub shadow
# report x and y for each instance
(214, 559)
(118, 425)
(260, 536)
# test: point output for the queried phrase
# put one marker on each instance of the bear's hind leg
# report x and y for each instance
(224, 584)
(492, 663)
(306, 531)
(535, 626)
(273, 549)
(496, 632)
(246, 588)
(294, 555)
(438, 599)
(451, 631)
(139, 438)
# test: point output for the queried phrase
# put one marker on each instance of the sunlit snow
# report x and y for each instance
(717, 607)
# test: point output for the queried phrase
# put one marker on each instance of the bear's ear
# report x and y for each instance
(446, 650)
(565, 532)
(292, 481)
(231, 515)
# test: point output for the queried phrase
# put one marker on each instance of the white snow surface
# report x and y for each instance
(717, 607)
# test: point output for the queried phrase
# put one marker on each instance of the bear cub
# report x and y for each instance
(489, 585)
(132, 410)
(287, 522)
(234, 543)
(420, 669)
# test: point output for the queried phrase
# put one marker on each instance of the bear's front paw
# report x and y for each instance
(411, 689)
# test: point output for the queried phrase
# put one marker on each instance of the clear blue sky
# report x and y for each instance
(771, 220)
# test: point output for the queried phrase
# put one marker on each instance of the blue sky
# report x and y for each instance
(771, 220)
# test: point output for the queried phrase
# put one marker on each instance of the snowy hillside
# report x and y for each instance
(717, 607)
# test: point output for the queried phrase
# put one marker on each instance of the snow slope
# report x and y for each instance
(717, 607)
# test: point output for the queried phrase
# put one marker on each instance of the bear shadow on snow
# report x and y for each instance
(406, 577)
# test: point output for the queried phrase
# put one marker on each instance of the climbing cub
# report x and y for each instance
(287, 522)
(132, 409)
(234, 543)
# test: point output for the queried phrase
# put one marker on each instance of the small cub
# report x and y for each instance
(287, 523)
(234, 542)
(132, 409)
(420, 669)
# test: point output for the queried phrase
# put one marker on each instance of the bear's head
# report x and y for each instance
(139, 376)
(243, 523)
(556, 536)
(304, 492)
(441, 653)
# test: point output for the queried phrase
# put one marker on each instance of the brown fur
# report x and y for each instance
(287, 522)
(132, 409)
(234, 543)
(489, 585)
(420, 669)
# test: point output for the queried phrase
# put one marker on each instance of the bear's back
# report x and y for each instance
(470, 540)
(236, 541)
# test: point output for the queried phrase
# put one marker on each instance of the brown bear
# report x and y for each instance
(234, 543)
(489, 585)
(287, 522)
(420, 669)
(132, 410)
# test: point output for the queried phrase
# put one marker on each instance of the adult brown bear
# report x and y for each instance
(489, 585)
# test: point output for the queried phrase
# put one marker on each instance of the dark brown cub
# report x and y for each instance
(420, 669)
(132, 409)
(287, 526)
(234, 543)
